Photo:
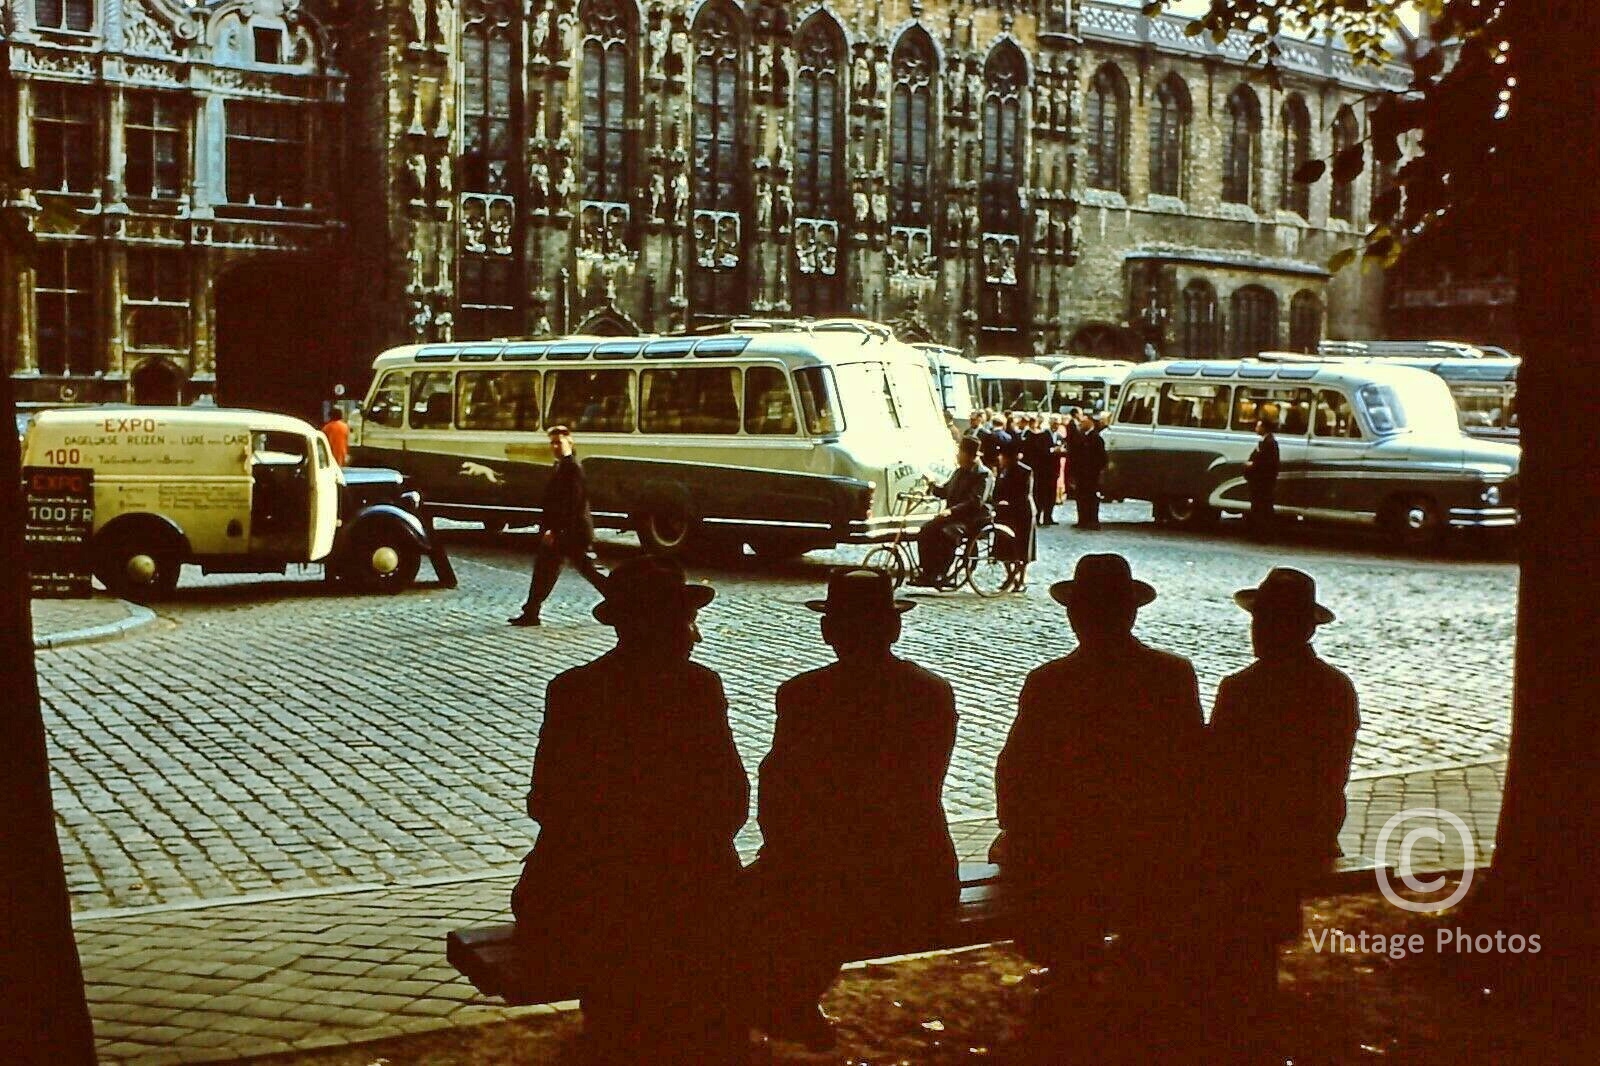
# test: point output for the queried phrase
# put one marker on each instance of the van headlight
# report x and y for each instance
(1491, 496)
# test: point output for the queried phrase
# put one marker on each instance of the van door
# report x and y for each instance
(326, 487)
(281, 507)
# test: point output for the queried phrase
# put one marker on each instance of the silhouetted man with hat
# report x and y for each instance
(638, 791)
(1281, 737)
(856, 856)
(1096, 796)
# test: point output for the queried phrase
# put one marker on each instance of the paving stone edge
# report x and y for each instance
(137, 618)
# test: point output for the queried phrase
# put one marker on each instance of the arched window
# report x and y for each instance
(1106, 116)
(607, 164)
(911, 130)
(1341, 201)
(1305, 322)
(1198, 327)
(1169, 136)
(819, 129)
(1252, 321)
(1294, 195)
(1241, 149)
(1001, 315)
(718, 287)
(487, 152)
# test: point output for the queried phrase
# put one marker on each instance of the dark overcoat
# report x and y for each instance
(564, 510)
(1013, 509)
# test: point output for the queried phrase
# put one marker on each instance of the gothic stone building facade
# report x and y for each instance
(318, 183)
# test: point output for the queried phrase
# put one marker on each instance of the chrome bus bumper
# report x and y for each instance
(1484, 517)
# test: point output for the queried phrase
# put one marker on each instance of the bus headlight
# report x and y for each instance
(1491, 496)
(411, 500)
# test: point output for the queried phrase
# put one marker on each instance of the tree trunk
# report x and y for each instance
(1546, 869)
(43, 1016)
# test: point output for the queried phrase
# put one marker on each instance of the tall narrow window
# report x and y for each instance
(266, 154)
(486, 77)
(1002, 315)
(718, 286)
(1341, 201)
(76, 16)
(819, 173)
(911, 130)
(1198, 328)
(155, 138)
(1252, 321)
(1294, 195)
(1106, 119)
(1169, 136)
(64, 305)
(1241, 149)
(1305, 322)
(607, 167)
(66, 150)
(157, 305)
(488, 298)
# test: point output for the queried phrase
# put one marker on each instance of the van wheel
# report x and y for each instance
(383, 558)
(664, 530)
(142, 567)
(1414, 521)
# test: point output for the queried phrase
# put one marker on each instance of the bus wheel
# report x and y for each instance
(1188, 512)
(779, 548)
(664, 530)
(1414, 522)
(141, 568)
(384, 558)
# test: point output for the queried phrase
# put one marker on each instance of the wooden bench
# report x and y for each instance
(497, 965)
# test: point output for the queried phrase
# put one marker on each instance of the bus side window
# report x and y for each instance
(689, 400)
(768, 407)
(432, 399)
(593, 401)
(388, 406)
(1335, 417)
(819, 400)
(1138, 405)
(1295, 418)
(497, 399)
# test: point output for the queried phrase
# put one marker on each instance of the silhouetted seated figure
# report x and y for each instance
(1095, 784)
(638, 791)
(856, 855)
(1281, 737)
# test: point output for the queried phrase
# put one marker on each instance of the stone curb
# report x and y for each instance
(137, 618)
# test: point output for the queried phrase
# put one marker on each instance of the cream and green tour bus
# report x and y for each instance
(1360, 442)
(781, 435)
(1087, 384)
(229, 491)
(956, 380)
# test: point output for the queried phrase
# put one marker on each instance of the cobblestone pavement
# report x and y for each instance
(222, 982)
(57, 623)
(268, 735)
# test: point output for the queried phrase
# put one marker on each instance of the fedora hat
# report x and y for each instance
(649, 586)
(1102, 577)
(1286, 590)
(860, 594)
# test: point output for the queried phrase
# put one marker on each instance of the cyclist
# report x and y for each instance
(965, 496)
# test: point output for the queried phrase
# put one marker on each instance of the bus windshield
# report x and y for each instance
(1420, 407)
(819, 401)
(865, 390)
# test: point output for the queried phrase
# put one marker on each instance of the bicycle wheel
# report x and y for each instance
(985, 574)
(890, 560)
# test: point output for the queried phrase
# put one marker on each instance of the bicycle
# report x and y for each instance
(975, 564)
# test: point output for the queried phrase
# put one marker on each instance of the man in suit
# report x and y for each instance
(1261, 473)
(1088, 462)
(992, 442)
(566, 529)
(1039, 454)
(639, 791)
(1279, 765)
(856, 855)
(965, 495)
(1096, 796)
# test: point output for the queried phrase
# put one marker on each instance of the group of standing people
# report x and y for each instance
(1064, 453)
(1124, 817)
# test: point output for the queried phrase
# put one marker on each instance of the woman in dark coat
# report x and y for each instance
(1013, 517)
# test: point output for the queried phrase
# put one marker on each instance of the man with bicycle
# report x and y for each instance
(966, 497)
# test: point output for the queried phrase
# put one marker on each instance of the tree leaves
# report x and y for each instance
(1349, 163)
(1309, 171)
(1341, 259)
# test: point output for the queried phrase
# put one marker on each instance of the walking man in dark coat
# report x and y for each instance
(566, 529)
(1013, 517)
(1039, 453)
(965, 495)
(1279, 766)
(856, 856)
(1261, 473)
(1096, 796)
(1088, 462)
(638, 791)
